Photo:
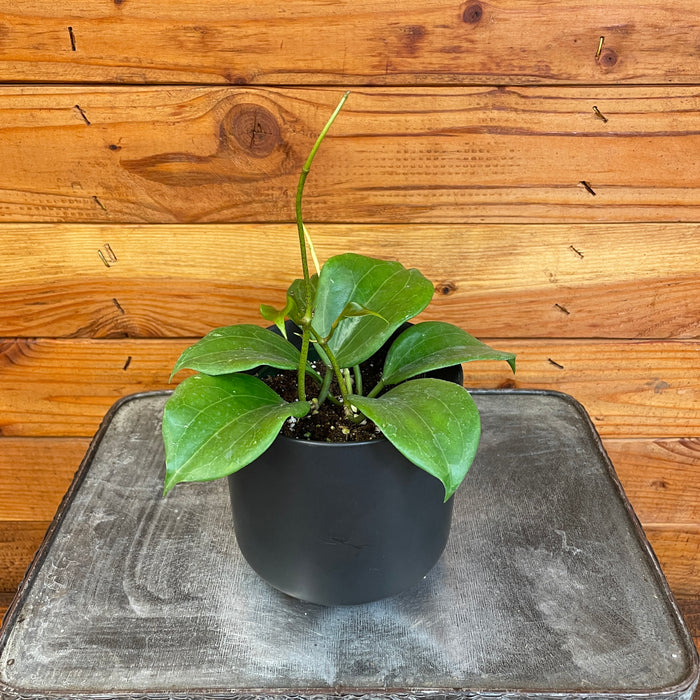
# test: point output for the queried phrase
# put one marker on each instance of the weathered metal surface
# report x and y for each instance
(546, 587)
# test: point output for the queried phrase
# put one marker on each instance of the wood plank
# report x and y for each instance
(35, 473)
(18, 544)
(630, 388)
(80, 380)
(561, 281)
(198, 154)
(305, 42)
(5, 600)
(659, 476)
(678, 551)
(690, 609)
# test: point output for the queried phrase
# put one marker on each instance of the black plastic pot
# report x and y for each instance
(340, 523)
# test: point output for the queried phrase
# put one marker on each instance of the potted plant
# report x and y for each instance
(343, 430)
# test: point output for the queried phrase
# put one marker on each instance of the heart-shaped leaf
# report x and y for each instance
(393, 293)
(214, 426)
(433, 345)
(238, 349)
(433, 423)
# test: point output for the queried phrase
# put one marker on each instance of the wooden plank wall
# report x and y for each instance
(539, 161)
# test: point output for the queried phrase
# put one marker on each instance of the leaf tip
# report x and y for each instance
(167, 487)
(176, 368)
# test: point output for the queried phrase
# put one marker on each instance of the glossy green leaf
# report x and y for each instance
(433, 423)
(353, 309)
(433, 345)
(392, 292)
(214, 426)
(237, 349)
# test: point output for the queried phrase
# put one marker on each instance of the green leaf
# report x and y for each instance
(276, 316)
(433, 423)
(352, 309)
(237, 349)
(214, 426)
(296, 298)
(432, 345)
(392, 292)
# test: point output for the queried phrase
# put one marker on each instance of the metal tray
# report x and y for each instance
(548, 587)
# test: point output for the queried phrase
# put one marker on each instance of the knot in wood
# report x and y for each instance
(473, 13)
(608, 58)
(447, 287)
(254, 129)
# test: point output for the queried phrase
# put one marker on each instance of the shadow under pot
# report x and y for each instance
(340, 523)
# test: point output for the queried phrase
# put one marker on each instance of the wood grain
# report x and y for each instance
(80, 380)
(630, 388)
(560, 281)
(690, 609)
(305, 42)
(661, 477)
(18, 544)
(197, 154)
(35, 473)
(678, 552)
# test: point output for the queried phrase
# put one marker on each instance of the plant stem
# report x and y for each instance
(342, 385)
(306, 321)
(358, 380)
(300, 189)
(304, 354)
(334, 363)
(348, 381)
(325, 387)
(320, 382)
(376, 390)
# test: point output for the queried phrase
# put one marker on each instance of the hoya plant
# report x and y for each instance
(222, 418)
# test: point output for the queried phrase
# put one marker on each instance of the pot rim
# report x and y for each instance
(321, 443)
